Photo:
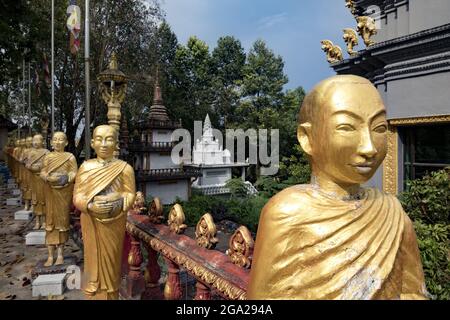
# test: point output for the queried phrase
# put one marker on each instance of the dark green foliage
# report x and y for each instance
(427, 203)
(428, 199)
(237, 188)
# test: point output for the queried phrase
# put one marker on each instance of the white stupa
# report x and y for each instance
(215, 164)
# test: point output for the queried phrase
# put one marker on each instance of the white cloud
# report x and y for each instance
(270, 21)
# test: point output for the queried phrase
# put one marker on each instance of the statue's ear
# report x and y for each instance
(304, 137)
(92, 143)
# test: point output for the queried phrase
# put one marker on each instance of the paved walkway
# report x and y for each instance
(18, 260)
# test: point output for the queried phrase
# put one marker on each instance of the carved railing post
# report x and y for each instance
(202, 292)
(135, 280)
(172, 290)
(152, 275)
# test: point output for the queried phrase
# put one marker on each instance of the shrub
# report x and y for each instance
(428, 199)
(434, 250)
(237, 188)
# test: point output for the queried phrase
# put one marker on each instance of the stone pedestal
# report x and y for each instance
(23, 215)
(16, 192)
(12, 186)
(40, 269)
(11, 181)
(49, 284)
(34, 238)
(13, 202)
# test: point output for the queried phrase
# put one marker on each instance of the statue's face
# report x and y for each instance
(59, 141)
(23, 143)
(104, 141)
(29, 142)
(38, 141)
(18, 143)
(349, 136)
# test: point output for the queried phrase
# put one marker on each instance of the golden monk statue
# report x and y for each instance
(34, 165)
(104, 192)
(15, 162)
(58, 172)
(333, 239)
(25, 175)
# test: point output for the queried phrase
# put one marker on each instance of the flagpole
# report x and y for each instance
(23, 92)
(53, 67)
(29, 97)
(87, 111)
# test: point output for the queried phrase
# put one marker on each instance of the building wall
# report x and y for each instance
(407, 19)
(428, 14)
(160, 135)
(161, 161)
(421, 96)
(168, 192)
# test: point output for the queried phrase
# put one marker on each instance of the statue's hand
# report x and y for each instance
(101, 207)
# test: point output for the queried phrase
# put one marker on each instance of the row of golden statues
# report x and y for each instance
(365, 27)
(330, 239)
(103, 189)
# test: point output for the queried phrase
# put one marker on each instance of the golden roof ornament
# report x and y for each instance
(350, 4)
(241, 247)
(351, 39)
(206, 231)
(367, 29)
(176, 219)
(334, 52)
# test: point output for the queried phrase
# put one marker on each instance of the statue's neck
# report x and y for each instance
(334, 189)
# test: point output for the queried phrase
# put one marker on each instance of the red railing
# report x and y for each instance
(216, 273)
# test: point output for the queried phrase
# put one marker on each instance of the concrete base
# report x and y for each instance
(49, 284)
(39, 269)
(11, 181)
(13, 202)
(23, 215)
(35, 238)
(12, 186)
(16, 192)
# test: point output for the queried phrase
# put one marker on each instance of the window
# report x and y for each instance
(427, 149)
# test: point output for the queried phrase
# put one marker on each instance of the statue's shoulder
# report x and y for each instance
(290, 201)
(88, 164)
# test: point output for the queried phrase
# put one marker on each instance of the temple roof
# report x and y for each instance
(158, 110)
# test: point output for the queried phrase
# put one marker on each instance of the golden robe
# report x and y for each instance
(18, 166)
(58, 201)
(103, 238)
(26, 175)
(37, 184)
(312, 246)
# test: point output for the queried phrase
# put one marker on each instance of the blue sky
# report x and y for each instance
(291, 28)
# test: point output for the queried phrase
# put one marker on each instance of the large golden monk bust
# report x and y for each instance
(333, 239)
(104, 192)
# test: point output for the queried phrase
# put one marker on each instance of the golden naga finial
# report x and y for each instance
(113, 65)
(138, 205)
(205, 232)
(351, 39)
(366, 29)
(334, 53)
(351, 5)
(155, 211)
(176, 219)
(241, 247)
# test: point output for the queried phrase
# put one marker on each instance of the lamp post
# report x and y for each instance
(113, 87)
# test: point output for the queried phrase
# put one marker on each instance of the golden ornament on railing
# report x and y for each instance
(334, 53)
(366, 29)
(155, 211)
(206, 231)
(241, 247)
(176, 219)
(351, 39)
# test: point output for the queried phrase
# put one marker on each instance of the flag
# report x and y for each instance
(47, 79)
(37, 82)
(73, 24)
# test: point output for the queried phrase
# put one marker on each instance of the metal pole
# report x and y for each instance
(53, 67)
(29, 97)
(23, 92)
(87, 111)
